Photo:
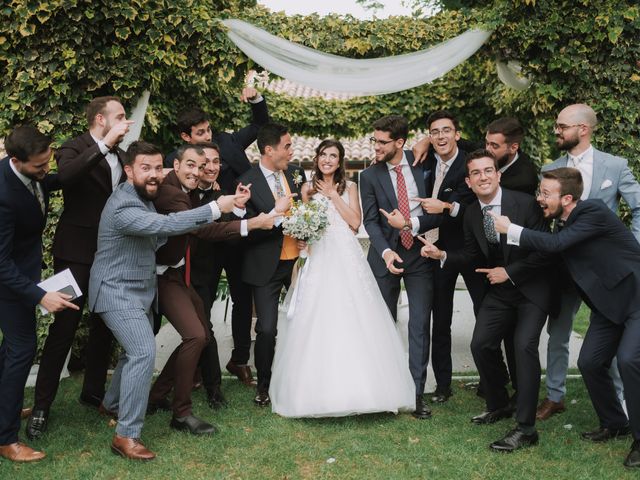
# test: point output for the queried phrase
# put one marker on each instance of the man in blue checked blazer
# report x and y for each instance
(122, 286)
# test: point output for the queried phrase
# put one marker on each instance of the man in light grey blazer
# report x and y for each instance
(122, 285)
(607, 178)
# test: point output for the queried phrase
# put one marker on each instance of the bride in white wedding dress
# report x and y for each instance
(338, 351)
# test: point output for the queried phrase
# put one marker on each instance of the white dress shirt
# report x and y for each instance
(112, 160)
(24, 179)
(584, 163)
(271, 180)
(455, 206)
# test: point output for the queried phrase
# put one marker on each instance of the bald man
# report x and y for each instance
(606, 177)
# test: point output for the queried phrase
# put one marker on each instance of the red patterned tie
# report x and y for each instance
(406, 237)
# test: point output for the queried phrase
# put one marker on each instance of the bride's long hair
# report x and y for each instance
(339, 176)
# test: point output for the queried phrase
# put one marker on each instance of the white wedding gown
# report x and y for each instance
(338, 351)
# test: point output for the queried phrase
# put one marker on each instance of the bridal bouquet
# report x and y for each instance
(306, 221)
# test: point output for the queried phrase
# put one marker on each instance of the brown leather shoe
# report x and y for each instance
(243, 372)
(25, 413)
(131, 448)
(548, 408)
(19, 452)
(102, 410)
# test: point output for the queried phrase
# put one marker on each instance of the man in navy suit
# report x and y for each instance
(603, 259)
(448, 194)
(24, 198)
(392, 184)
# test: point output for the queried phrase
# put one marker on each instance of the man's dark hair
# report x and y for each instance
(98, 105)
(25, 141)
(439, 115)
(570, 180)
(213, 145)
(510, 127)
(481, 153)
(270, 134)
(396, 125)
(189, 118)
(140, 147)
(185, 148)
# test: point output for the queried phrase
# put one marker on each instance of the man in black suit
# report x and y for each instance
(448, 194)
(194, 128)
(603, 258)
(270, 255)
(517, 171)
(24, 198)
(517, 299)
(89, 168)
(393, 185)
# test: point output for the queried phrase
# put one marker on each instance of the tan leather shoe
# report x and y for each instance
(19, 452)
(548, 408)
(243, 372)
(131, 448)
(25, 413)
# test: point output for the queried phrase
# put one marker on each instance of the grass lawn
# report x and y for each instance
(581, 322)
(254, 443)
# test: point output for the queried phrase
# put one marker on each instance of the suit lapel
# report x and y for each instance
(478, 228)
(508, 208)
(599, 174)
(418, 176)
(260, 189)
(21, 189)
(384, 177)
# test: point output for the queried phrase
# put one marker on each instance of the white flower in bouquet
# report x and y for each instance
(306, 221)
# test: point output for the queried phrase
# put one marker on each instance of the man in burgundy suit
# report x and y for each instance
(177, 298)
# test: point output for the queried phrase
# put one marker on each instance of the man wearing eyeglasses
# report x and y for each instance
(517, 300)
(449, 195)
(606, 177)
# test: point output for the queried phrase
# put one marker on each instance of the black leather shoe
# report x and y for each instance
(633, 459)
(422, 411)
(485, 418)
(164, 405)
(193, 425)
(216, 400)
(262, 398)
(90, 400)
(37, 424)
(514, 440)
(441, 395)
(605, 434)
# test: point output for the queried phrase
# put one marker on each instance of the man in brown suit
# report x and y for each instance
(89, 168)
(177, 298)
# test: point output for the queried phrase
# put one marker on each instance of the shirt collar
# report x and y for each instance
(584, 157)
(496, 202)
(511, 162)
(265, 171)
(450, 161)
(23, 178)
(403, 162)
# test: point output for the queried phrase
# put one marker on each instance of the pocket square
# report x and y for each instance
(606, 184)
(448, 190)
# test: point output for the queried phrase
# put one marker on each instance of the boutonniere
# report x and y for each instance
(297, 179)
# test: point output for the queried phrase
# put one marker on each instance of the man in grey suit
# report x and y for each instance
(122, 285)
(607, 178)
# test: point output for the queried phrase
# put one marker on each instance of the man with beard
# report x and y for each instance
(517, 299)
(503, 139)
(122, 284)
(177, 298)
(24, 198)
(606, 177)
(193, 128)
(89, 168)
(603, 259)
(449, 195)
(393, 185)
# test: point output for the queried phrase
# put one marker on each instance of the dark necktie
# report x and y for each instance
(406, 237)
(488, 224)
(36, 192)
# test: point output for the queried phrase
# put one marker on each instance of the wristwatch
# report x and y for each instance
(407, 225)
(446, 210)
